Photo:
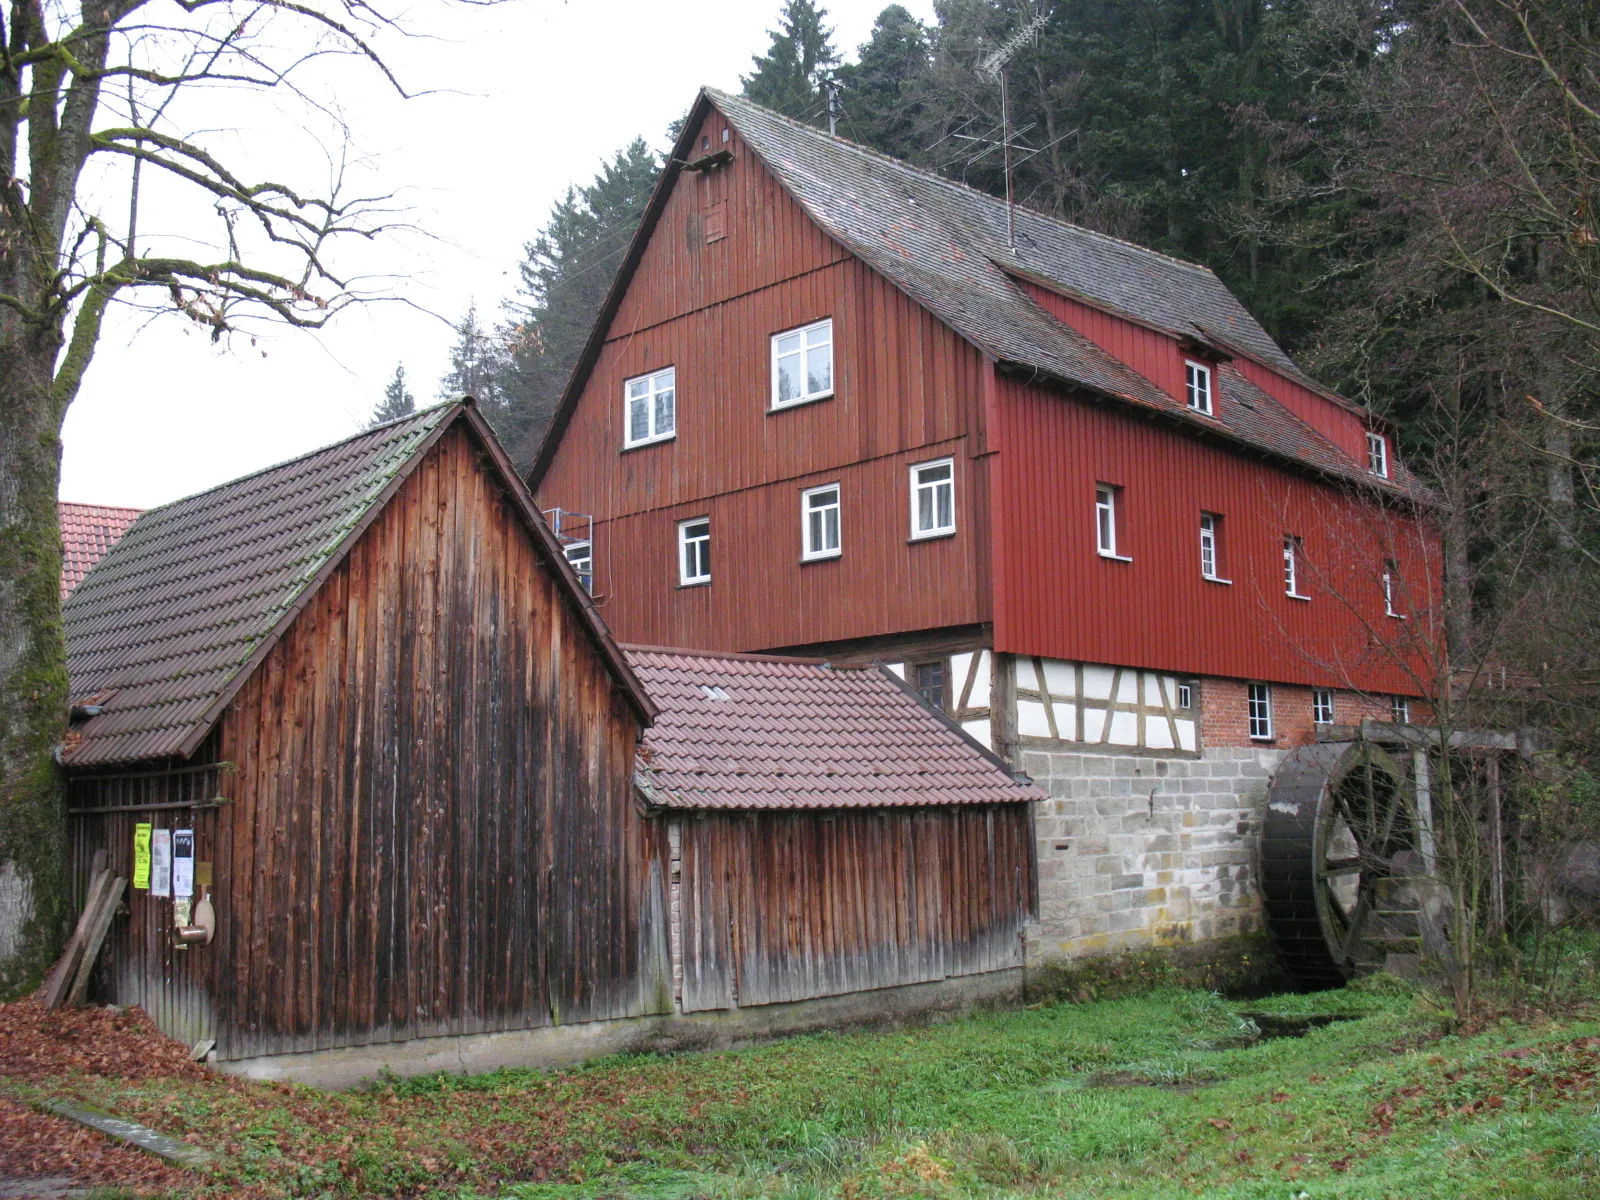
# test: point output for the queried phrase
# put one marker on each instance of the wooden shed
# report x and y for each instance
(831, 832)
(366, 694)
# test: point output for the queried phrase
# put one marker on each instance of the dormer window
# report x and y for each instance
(1378, 454)
(1197, 386)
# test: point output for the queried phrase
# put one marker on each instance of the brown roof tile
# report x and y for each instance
(87, 532)
(172, 619)
(749, 731)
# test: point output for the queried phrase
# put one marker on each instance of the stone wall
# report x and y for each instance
(1136, 851)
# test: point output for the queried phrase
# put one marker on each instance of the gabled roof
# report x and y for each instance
(944, 245)
(739, 731)
(87, 532)
(172, 621)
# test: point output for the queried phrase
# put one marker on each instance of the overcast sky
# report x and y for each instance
(542, 92)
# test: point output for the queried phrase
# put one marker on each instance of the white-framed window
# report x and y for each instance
(1400, 710)
(802, 364)
(1186, 695)
(650, 408)
(933, 498)
(1197, 386)
(1260, 710)
(694, 551)
(581, 556)
(1378, 454)
(1293, 552)
(1389, 608)
(1107, 506)
(819, 522)
(1322, 706)
(1211, 547)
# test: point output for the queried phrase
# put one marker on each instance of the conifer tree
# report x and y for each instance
(885, 87)
(476, 366)
(565, 274)
(397, 400)
(789, 76)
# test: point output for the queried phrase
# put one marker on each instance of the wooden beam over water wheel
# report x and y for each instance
(1339, 861)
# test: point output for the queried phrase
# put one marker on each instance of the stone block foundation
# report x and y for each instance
(1144, 850)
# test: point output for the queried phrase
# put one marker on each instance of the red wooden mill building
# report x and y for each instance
(1069, 489)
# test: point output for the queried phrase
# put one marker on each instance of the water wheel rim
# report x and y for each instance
(1357, 834)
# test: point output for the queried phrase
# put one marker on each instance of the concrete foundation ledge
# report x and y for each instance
(563, 1045)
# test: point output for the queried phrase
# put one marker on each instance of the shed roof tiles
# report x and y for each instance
(756, 732)
(87, 532)
(170, 621)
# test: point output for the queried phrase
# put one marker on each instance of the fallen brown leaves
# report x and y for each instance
(120, 1043)
(34, 1145)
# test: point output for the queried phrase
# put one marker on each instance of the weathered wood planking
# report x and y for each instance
(431, 827)
(783, 905)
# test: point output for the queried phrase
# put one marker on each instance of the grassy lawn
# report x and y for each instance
(1161, 1095)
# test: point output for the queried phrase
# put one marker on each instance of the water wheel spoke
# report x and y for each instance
(1356, 923)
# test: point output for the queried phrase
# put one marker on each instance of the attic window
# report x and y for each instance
(705, 142)
(712, 692)
(1378, 454)
(1197, 386)
(727, 135)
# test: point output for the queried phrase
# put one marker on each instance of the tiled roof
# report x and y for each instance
(180, 604)
(944, 244)
(170, 623)
(87, 532)
(748, 731)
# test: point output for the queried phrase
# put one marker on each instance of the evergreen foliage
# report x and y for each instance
(789, 76)
(397, 400)
(565, 274)
(477, 365)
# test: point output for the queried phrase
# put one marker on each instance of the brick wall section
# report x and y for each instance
(1141, 850)
(1225, 717)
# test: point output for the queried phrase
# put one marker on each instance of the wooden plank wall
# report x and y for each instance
(138, 963)
(780, 906)
(906, 389)
(1057, 597)
(434, 830)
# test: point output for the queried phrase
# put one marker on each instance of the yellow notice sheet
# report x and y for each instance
(141, 856)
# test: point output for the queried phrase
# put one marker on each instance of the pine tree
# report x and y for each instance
(885, 87)
(789, 76)
(565, 275)
(477, 364)
(397, 400)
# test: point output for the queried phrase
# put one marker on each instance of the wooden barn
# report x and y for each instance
(358, 715)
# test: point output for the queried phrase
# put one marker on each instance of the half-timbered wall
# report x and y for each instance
(430, 826)
(782, 906)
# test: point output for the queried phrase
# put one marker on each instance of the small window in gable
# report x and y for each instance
(715, 221)
(802, 364)
(1378, 454)
(651, 411)
(1197, 386)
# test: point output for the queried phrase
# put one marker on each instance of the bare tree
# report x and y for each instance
(97, 101)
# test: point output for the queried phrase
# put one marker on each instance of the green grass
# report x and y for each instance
(1114, 1098)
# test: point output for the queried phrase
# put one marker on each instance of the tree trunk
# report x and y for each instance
(34, 893)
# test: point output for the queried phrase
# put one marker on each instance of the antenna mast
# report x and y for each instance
(994, 67)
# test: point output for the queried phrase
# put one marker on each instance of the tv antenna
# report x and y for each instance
(993, 67)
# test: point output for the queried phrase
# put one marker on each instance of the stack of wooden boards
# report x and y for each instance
(69, 982)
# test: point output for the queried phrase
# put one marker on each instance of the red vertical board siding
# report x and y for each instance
(906, 389)
(1157, 356)
(1056, 596)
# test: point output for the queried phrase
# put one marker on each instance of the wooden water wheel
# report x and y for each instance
(1339, 859)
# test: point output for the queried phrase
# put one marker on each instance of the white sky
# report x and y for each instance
(543, 91)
